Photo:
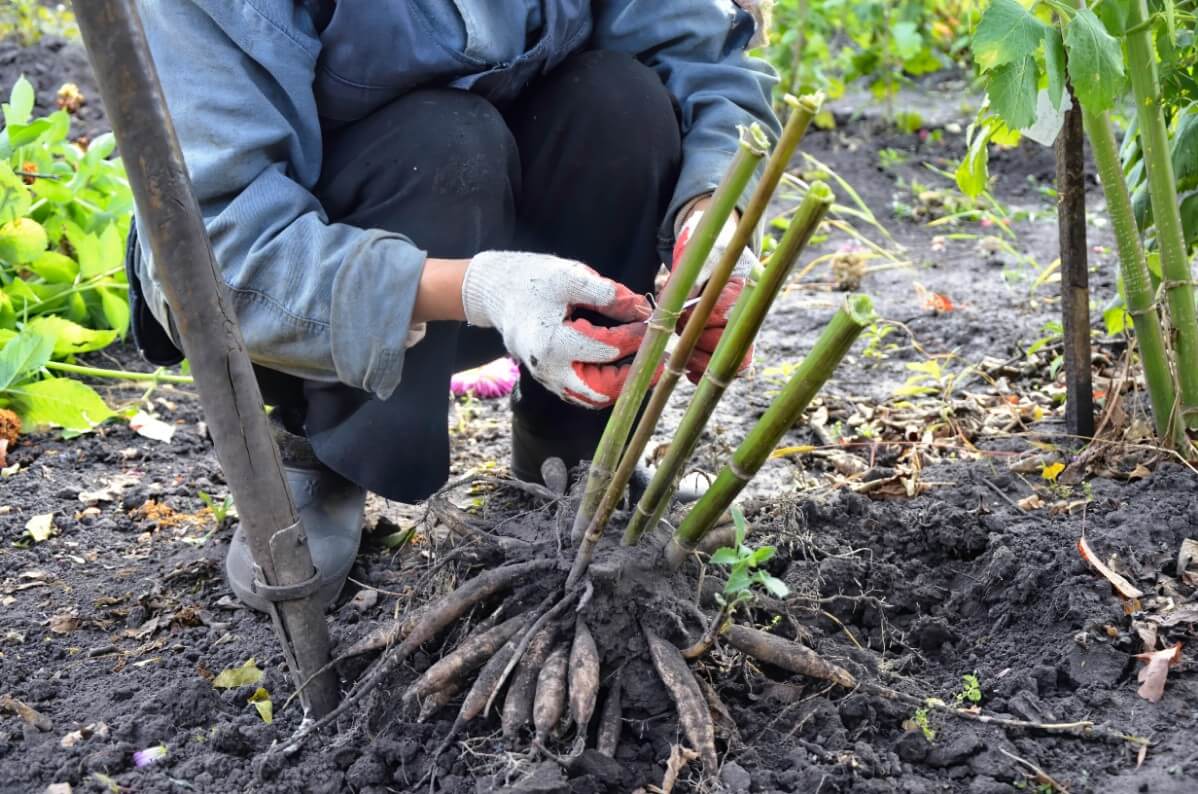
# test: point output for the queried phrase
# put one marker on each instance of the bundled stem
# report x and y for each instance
(753, 147)
(831, 347)
(1178, 284)
(804, 111)
(1137, 282)
(748, 316)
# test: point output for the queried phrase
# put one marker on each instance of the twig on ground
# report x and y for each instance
(1041, 775)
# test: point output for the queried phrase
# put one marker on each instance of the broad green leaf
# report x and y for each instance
(112, 247)
(8, 316)
(774, 585)
(738, 580)
(55, 267)
(15, 200)
(114, 306)
(23, 356)
(1007, 32)
(1095, 62)
(907, 41)
(1113, 14)
(19, 107)
(101, 147)
(60, 127)
(236, 677)
(1054, 64)
(71, 338)
(1013, 92)
(21, 240)
(762, 556)
(261, 701)
(60, 402)
(1185, 149)
(87, 250)
(52, 190)
(1116, 319)
(725, 556)
(1189, 219)
(973, 174)
(25, 134)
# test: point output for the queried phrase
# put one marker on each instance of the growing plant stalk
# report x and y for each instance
(753, 147)
(1137, 282)
(831, 347)
(1178, 284)
(748, 316)
(803, 111)
(158, 376)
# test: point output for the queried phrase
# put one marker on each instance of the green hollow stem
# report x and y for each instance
(157, 376)
(1137, 282)
(786, 409)
(1166, 213)
(753, 147)
(804, 111)
(748, 316)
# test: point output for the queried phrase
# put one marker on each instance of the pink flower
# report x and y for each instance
(496, 379)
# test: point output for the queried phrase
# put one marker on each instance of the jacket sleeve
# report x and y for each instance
(315, 299)
(697, 47)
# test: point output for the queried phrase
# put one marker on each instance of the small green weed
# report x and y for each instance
(743, 564)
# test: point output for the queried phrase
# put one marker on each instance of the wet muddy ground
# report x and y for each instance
(938, 552)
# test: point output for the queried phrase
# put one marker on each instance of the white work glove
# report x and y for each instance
(529, 298)
(717, 321)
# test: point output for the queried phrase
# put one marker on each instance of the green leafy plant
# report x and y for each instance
(921, 721)
(65, 209)
(1030, 58)
(744, 567)
(222, 511)
(971, 690)
(29, 20)
(829, 44)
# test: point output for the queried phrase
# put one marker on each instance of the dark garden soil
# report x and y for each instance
(936, 553)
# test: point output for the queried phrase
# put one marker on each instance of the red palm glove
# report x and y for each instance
(717, 321)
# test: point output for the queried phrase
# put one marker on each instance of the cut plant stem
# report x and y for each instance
(1177, 282)
(744, 324)
(831, 347)
(157, 376)
(803, 111)
(753, 147)
(1137, 282)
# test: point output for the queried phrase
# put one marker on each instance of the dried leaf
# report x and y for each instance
(786, 452)
(1033, 502)
(1121, 585)
(365, 600)
(1153, 674)
(107, 782)
(64, 622)
(58, 788)
(236, 677)
(28, 714)
(1147, 632)
(109, 491)
(97, 729)
(1187, 554)
(151, 427)
(40, 527)
(261, 701)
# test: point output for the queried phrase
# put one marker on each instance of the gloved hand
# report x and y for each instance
(529, 298)
(717, 321)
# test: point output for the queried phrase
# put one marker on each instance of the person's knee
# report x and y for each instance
(438, 165)
(620, 99)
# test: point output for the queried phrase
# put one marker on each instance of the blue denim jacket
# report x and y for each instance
(251, 84)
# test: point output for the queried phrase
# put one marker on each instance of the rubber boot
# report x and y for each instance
(332, 510)
(570, 435)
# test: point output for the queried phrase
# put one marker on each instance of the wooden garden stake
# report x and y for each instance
(1075, 278)
(232, 401)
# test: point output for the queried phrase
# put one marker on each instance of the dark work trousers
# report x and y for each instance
(582, 166)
